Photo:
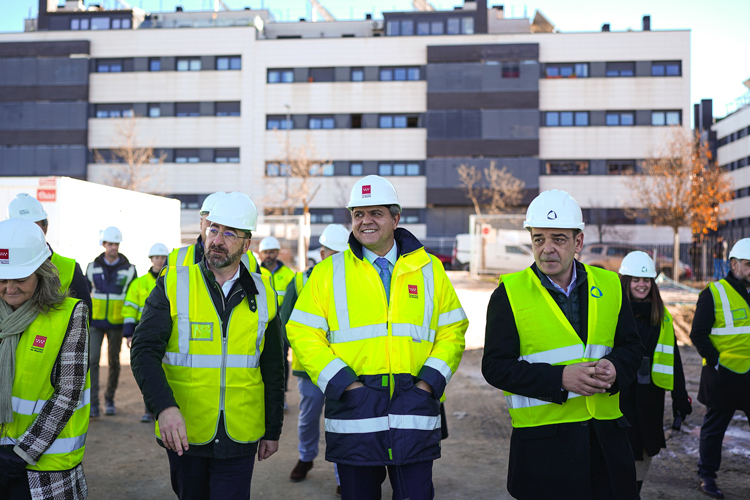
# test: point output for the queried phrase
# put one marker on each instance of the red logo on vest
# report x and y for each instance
(413, 291)
(366, 191)
(4, 256)
(39, 342)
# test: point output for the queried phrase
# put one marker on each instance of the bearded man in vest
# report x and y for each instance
(721, 333)
(207, 357)
(380, 330)
(561, 341)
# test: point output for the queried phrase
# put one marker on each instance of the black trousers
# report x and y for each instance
(412, 481)
(714, 427)
(203, 478)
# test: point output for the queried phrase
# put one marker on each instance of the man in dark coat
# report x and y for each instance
(723, 340)
(563, 367)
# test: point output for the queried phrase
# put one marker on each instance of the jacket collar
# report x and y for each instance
(407, 243)
(737, 285)
(123, 262)
(581, 276)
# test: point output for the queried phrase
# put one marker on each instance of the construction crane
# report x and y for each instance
(322, 10)
(422, 5)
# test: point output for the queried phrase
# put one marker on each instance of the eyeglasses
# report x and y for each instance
(229, 236)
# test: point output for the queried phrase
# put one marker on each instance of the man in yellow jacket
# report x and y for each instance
(380, 331)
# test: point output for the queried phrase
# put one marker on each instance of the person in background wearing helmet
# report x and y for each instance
(642, 402)
(561, 342)
(135, 300)
(44, 380)
(109, 276)
(207, 356)
(380, 330)
(721, 333)
(25, 206)
(335, 239)
(193, 254)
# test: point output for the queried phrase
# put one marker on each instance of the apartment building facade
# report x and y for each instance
(224, 96)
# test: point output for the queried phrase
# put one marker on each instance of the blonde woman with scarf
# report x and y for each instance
(44, 382)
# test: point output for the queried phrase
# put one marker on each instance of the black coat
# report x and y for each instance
(562, 461)
(720, 389)
(643, 404)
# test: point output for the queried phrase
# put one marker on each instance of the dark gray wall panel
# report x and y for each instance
(43, 116)
(342, 74)
(643, 117)
(483, 100)
(442, 173)
(342, 120)
(167, 108)
(447, 221)
(300, 74)
(43, 71)
(372, 73)
(140, 64)
(469, 147)
(460, 53)
(168, 63)
(597, 118)
(369, 120)
(44, 93)
(598, 167)
(140, 109)
(510, 124)
(598, 69)
(643, 68)
(207, 109)
(208, 63)
(48, 49)
(453, 124)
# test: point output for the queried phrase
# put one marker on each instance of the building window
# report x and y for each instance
(567, 167)
(183, 109)
(510, 70)
(407, 28)
(412, 169)
(75, 24)
(154, 64)
(394, 28)
(665, 118)
(189, 64)
(274, 169)
(116, 24)
(186, 156)
(321, 218)
(620, 167)
(280, 76)
(436, 28)
(671, 68)
(398, 121)
(398, 169)
(229, 155)
(399, 74)
(615, 69)
(385, 169)
(278, 123)
(227, 109)
(453, 26)
(467, 25)
(154, 111)
(109, 66)
(99, 23)
(114, 111)
(566, 119)
(356, 121)
(423, 29)
(325, 170)
(228, 63)
(410, 219)
(358, 75)
(572, 70)
(619, 119)
(321, 122)
(355, 169)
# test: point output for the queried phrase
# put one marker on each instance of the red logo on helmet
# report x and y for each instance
(39, 343)
(413, 291)
(4, 254)
(366, 191)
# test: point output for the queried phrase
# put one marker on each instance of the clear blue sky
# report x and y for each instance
(720, 37)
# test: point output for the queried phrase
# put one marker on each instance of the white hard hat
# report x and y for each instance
(158, 249)
(235, 210)
(23, 250)
(335, 237)
(371, 191)
(741, 250)
(269, 243)
(26, 207)
(210, 201)
(638, 264)
(554, 209)
(111, 235)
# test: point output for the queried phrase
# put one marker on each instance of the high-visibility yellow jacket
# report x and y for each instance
(66, 268)
(546, 336)
(109, 286)
(135, 300)
(343, 329)
(193, 254)
(662, 367)
(730, 333)
(36, 354)
(280, 279)
(209, 372)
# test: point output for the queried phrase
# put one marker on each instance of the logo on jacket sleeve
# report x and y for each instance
(4, 256)
(366, 191)
(413, 292)
(39, 343)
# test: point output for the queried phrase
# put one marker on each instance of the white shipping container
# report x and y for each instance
(78, 211)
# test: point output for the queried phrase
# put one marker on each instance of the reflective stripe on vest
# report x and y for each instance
(731, 325)
(662, 369)
(546, 336)
(381, 424)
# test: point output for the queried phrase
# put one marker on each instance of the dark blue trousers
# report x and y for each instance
(714, 426)
(203, 478)
(409, 482)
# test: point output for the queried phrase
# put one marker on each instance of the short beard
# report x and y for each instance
(219, 262)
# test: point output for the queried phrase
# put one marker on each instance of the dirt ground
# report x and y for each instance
(123, 461)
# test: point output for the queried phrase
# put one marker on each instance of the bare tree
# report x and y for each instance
(492, 190)
(680, 186)
(132, 165)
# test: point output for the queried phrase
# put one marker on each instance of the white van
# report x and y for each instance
(505, 251)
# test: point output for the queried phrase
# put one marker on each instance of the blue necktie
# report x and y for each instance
(385, 275)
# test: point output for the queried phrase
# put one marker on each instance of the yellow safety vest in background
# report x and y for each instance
(38, 350)
(66, 268)
(209, 373)
(662, 369)
(280, 280)
(546, 336)
(730, 333)
(135, 300)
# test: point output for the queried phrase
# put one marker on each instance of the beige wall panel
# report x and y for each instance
(737, 209)
(166, 86)
(591, 191)
(732, 123)
(734, 151)
(591, 143)
(615, 93)
(347, 97)
(202, 132)
(180, 178)
(740, 178)
(364, 144)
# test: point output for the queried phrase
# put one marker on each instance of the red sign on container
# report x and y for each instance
(46, 194)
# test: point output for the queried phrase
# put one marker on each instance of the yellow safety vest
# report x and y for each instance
(662, 369)
(185, 256)
(66, 268)
(108, 305)
(135, 300)
(279, 280)
(210, 373)
(731, 329)
(38, 350)
(300, 280)
(546, 336)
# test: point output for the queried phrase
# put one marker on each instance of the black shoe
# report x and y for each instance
(299, 473)
(109, 408)
(709, 487)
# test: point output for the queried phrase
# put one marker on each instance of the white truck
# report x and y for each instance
(78, 211)
(503, 251)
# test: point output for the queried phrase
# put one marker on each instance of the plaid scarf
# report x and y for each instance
(12, 325)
